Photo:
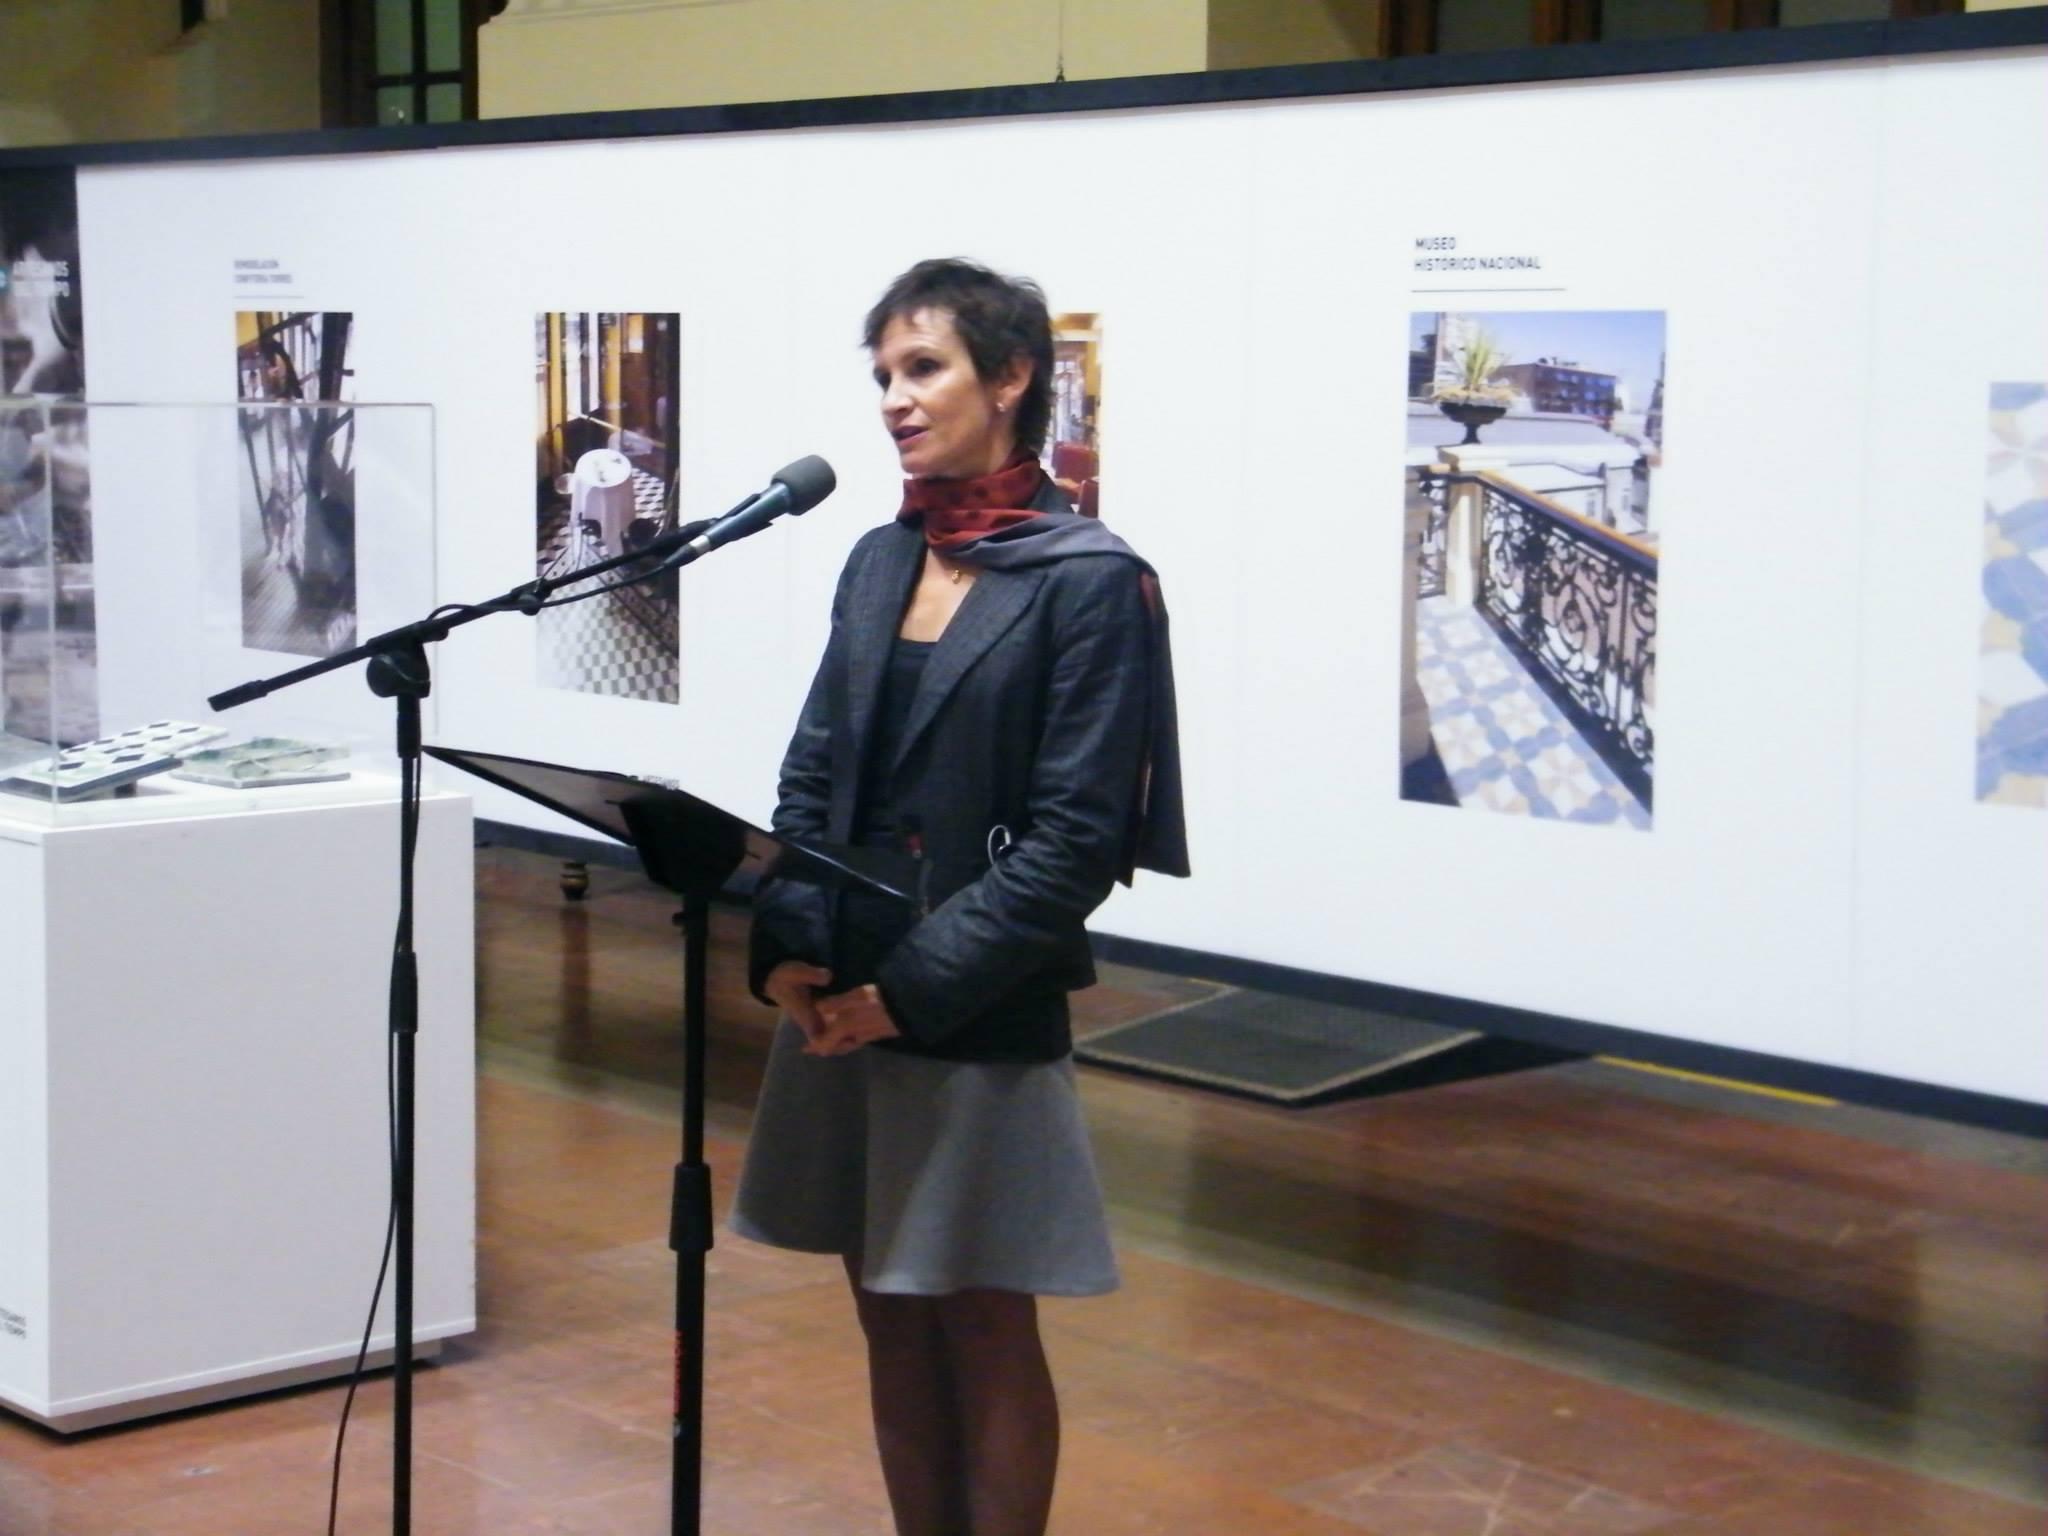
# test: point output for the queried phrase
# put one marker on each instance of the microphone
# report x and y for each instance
(793, 490)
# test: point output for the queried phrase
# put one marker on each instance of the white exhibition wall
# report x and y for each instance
(1847, 256)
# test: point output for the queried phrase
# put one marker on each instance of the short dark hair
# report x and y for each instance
(997, 317)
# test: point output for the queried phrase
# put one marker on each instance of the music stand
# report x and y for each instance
(691, 847)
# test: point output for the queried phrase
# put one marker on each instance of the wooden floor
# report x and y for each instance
(1576, 1301)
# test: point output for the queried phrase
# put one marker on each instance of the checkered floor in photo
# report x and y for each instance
(600, 646)
(276, 618)
(1505, 745)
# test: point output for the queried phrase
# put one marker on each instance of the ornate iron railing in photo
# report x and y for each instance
(1429, 578)
(1579, 601)
(1575, 600)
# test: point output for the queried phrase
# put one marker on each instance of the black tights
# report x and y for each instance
(965, 1416)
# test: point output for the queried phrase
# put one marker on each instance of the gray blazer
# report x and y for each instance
(1019, 765)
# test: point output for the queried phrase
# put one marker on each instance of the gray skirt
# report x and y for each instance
(939, 1176)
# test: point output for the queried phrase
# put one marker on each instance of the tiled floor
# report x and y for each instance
(1570, 1303)
(600, 646)
(275, 618)
(1505, 745)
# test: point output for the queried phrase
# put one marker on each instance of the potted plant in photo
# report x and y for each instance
(1468, 394)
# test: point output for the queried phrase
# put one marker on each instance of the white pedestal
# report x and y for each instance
(194, 1168)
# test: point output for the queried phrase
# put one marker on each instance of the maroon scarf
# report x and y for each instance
(1001, 522)
(957, 512)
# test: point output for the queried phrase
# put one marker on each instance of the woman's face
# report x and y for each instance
(947, 421)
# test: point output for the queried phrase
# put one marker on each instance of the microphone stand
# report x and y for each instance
(398, 670)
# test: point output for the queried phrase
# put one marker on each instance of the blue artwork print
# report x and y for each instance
(2012, 675)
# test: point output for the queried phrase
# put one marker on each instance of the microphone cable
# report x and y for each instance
(410, 784)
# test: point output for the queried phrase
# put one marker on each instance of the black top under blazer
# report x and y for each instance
(1029, 724)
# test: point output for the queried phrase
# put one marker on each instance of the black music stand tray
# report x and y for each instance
(691, 847)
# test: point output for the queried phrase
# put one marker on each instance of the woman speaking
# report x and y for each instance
(996, 701)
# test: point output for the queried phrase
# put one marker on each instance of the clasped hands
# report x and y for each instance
(834, 1025)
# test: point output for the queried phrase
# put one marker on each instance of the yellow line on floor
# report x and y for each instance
(1787, 1094)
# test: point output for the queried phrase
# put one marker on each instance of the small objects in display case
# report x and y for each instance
(111, 762)
(264, 760)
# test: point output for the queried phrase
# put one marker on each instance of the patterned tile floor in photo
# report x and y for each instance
(2012, 675)
(1505, 745)
(598, 647)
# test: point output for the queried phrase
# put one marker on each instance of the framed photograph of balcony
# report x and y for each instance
(606, 482)
(1073, 441)
(2012, 675)
(1534, 444)
(298, 501)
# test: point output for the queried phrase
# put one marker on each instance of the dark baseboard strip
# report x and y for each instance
(1554, 1031)
(1976, 31)
(555, 845)
(1874, 1090)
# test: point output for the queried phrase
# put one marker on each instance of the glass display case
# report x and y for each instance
(199, 998)
(153, 556)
